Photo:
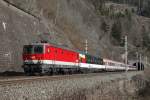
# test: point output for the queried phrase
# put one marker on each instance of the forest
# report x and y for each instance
(143, 8)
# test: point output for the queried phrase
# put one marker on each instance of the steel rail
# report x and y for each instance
(52, 78)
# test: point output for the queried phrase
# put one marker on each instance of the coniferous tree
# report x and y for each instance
(116, 31)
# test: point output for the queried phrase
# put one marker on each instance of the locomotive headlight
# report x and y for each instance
(33, 57)
(77, 61)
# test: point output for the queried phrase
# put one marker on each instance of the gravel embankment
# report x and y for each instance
(114, 86)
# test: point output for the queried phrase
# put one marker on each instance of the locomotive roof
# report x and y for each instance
(63, 47)
(112, 61)
(58, 46)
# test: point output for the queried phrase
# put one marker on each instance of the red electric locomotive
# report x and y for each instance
(47, 58)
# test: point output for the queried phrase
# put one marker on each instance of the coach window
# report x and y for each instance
(109, 63)
(80, 59)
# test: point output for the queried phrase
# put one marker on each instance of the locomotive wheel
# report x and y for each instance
(50, 71)
(69, 71)
(61, 71)
(27, 71)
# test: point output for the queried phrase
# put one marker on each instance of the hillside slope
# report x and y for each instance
(68, 23)
(16, 29)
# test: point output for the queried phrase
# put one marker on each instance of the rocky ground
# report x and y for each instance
(144, 93)
(109, 87)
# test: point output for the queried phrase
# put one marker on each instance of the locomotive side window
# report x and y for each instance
(38, 49)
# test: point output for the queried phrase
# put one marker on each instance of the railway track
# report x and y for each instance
(25, 79)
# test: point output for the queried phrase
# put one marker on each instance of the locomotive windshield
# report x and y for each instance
(30, 49)
(27, 49)
(38, 49)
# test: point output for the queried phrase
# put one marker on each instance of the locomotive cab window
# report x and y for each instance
(38, 49)
(28, 49)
